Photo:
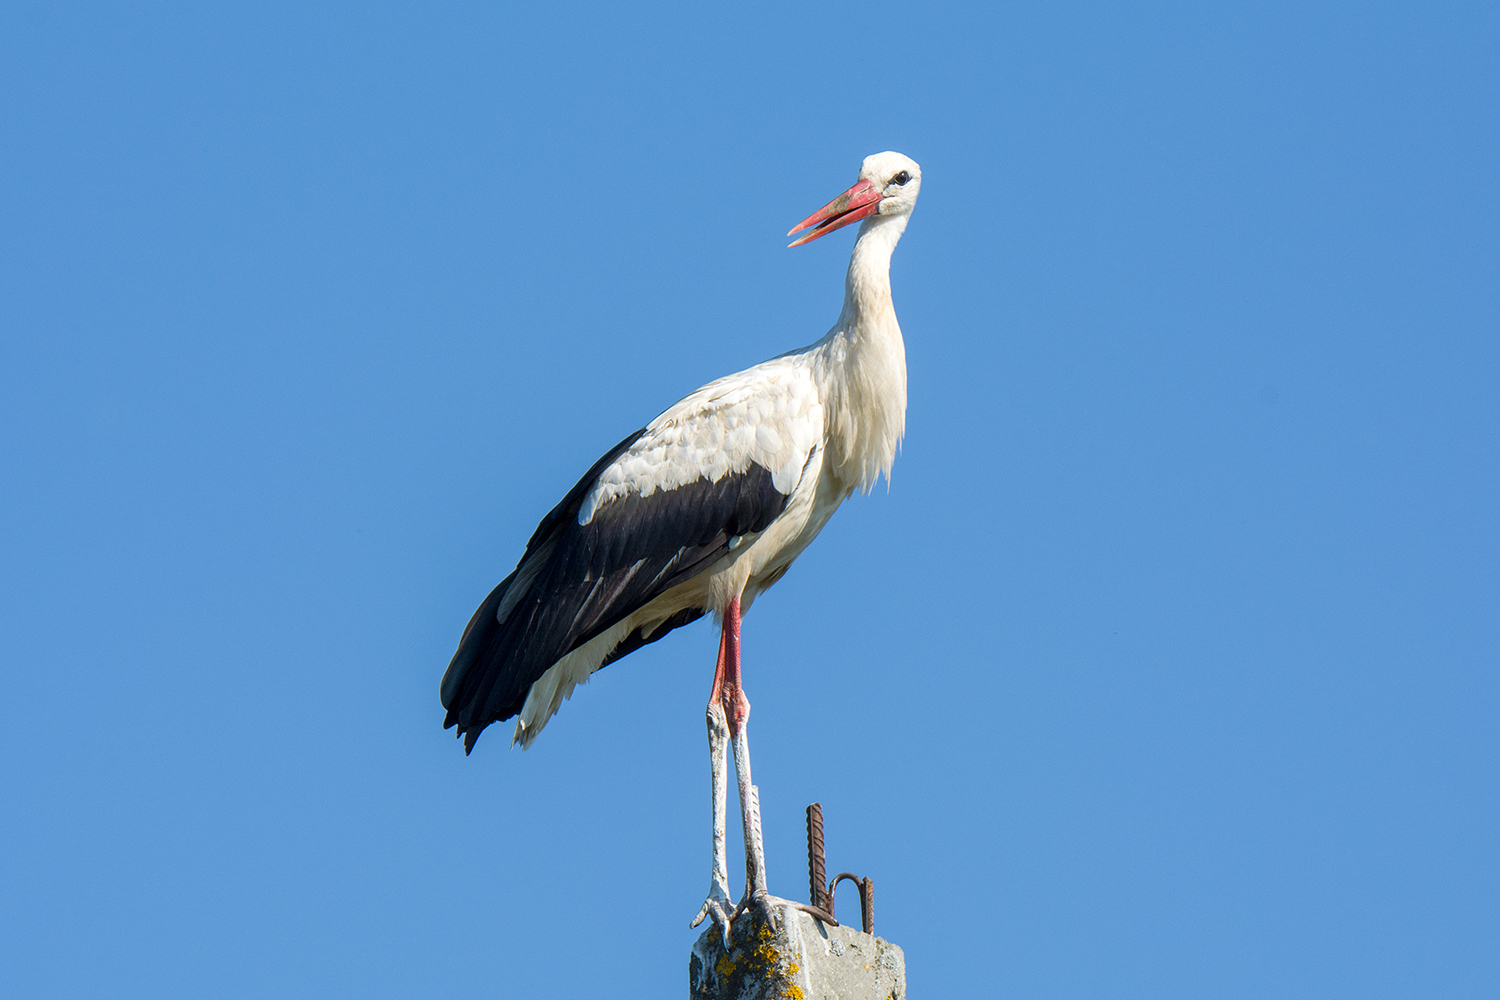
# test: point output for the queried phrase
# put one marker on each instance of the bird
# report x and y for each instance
(699, 512)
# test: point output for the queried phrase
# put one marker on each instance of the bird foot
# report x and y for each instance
(761, 900)
(724, 915)
(717, 905)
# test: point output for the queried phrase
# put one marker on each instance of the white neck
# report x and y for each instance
(862, 363)
(867, 285)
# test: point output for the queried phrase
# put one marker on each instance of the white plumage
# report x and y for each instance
(770, 415)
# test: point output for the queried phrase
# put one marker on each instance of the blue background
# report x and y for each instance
(1166, 668)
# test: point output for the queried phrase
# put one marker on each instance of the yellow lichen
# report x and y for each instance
(792, 991)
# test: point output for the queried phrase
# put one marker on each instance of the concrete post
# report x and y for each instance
(803, 959)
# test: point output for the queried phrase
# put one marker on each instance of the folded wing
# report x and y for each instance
(658, 509)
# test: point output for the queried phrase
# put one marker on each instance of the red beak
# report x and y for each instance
(859, 202)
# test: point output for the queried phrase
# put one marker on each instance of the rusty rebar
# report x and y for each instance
(817, 888)
(867, 904)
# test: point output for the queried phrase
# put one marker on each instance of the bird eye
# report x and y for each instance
(901, 178)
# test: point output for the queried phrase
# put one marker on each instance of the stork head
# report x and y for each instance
(888, 185)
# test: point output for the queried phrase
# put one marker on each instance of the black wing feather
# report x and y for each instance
(633, 549)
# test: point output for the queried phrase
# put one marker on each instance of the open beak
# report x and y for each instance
(859, 202)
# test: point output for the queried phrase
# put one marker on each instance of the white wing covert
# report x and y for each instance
(770, 415)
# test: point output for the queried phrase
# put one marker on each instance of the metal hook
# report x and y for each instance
(866, 898)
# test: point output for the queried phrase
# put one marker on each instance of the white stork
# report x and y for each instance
(700, 512)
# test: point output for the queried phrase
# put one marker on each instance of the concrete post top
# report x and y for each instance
(803, 959)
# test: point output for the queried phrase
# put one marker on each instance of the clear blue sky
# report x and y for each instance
(1166, 668)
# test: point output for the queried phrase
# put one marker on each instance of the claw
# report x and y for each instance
(716, 906)
(761, 900)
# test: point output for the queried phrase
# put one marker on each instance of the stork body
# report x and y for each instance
(701, 511)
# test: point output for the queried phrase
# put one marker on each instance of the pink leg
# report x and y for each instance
(727, 682)
(737, 710)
